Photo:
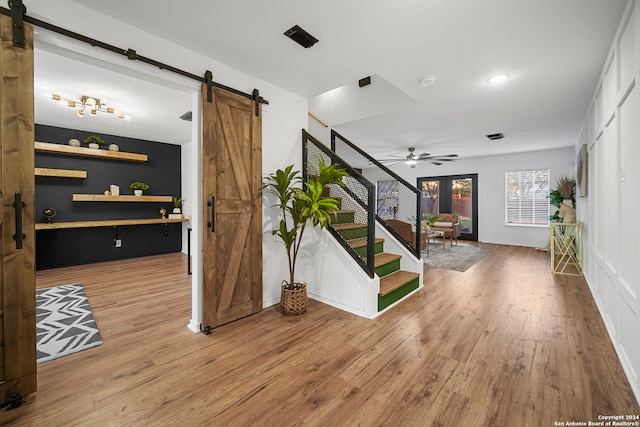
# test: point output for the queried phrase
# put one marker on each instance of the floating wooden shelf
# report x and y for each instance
(106, 223)
(61, 173)
(46, 147)
(124, 198)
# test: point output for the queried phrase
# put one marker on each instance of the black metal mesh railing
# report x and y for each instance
(354, 225)
(394, 199)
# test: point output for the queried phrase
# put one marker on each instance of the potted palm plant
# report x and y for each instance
(299, 208)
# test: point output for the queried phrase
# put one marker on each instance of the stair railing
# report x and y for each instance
(357, 195)
(407, 207)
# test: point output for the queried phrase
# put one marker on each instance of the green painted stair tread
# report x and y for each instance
(396, 280)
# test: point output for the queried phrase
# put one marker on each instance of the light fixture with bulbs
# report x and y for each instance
(498, 79)
(89, 105)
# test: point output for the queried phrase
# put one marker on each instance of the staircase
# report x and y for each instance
(394, 282)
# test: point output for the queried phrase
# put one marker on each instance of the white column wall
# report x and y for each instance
(609, 212)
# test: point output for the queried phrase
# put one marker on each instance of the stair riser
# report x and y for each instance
(398, 294)
(343, 218)
(362, 251)
(354, 233)
(388, 268)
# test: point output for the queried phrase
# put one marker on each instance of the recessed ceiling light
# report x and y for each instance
(498, 79)
(428, 80)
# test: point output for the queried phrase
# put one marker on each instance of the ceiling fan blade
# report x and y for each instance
(423, 155)
(436, 163)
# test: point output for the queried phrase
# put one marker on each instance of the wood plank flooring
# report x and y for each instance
(505, 343)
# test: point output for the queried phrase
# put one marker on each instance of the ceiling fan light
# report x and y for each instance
(55, 97)
(110, 110)
(71, 104)
(80, 112)
(411, 162)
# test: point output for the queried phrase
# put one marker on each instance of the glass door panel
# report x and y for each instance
(452, 194)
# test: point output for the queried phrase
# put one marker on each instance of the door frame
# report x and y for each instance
(445, 200)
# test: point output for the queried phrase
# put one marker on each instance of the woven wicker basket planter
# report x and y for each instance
(294, 301)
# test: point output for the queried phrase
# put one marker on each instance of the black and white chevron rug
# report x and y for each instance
(64, 322)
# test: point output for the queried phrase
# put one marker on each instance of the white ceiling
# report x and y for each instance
(554, 51)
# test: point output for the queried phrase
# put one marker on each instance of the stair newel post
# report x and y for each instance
(418, 195)
(371, 230)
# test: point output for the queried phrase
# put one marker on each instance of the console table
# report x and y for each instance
(566, 248)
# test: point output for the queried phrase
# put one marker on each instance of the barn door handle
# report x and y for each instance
(212, 203)
(18, 205)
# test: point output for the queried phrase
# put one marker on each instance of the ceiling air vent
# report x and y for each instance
(186, 116)
(364, 81)
(300, 36)
(495, 136)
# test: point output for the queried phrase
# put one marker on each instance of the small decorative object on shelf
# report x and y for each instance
(177, 205)
(138, 187)
(163, 213)
(74, 142)
(49, 213)
(94, 141)
(114, 147)
(114, 190)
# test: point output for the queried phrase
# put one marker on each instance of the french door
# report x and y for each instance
(457, 194)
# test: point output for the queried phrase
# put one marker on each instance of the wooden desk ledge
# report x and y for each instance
(106, 223)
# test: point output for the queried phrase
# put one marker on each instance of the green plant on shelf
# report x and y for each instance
(177, 202)
(138, 186)
(94, 139)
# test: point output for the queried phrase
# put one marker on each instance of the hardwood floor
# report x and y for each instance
(505, 343)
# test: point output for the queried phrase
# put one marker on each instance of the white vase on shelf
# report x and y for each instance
(137, 192)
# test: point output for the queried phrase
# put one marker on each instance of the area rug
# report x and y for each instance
(64, 322)
(457, 257)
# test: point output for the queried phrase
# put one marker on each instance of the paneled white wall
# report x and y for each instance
(610, 210)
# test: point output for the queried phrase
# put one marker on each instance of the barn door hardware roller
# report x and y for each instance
(18, 10)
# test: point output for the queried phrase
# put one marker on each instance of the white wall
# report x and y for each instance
(283, 118)
(491, 189)
(609, 212)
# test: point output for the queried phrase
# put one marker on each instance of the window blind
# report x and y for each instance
(526, 195)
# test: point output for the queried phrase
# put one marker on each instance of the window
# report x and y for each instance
(526, 195)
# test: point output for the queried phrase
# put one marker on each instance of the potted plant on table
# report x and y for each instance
(138, 187)
(298, 208)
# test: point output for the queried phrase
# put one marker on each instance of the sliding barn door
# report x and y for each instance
(17, 275)
(232, 241)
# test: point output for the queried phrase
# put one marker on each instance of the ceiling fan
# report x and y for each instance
(412, 159)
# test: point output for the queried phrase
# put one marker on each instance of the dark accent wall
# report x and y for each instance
(65, 247)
